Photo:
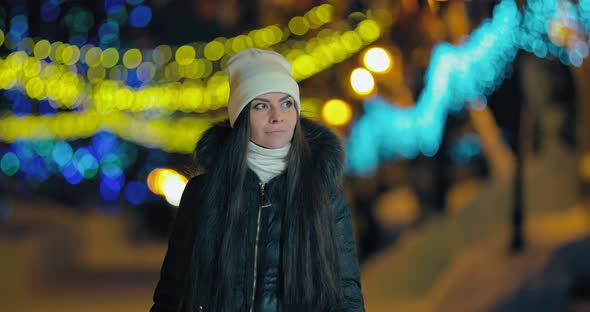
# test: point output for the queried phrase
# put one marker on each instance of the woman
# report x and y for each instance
(267, 226)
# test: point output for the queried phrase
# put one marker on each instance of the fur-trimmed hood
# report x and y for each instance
(326, 149)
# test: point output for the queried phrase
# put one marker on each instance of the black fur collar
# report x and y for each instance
(327, 154)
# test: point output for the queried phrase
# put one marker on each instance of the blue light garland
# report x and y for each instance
(459, 74)
(106, 158)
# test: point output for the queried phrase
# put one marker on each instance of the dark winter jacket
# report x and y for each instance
(171, 289)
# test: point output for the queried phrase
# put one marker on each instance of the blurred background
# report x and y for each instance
(466, 125)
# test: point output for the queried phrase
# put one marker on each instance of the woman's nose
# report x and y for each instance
(276, 116)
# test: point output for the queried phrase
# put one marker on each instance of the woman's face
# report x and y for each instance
(272, 119)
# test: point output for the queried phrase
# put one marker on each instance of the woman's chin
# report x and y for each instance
(274, 144)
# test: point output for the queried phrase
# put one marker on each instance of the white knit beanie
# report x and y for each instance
(253, 72)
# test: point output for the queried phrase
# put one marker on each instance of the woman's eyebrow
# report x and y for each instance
(268, 101)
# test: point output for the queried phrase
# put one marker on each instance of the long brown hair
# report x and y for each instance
(309, 273)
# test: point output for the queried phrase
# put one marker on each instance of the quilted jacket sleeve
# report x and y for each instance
(170, 289)
(349, 266)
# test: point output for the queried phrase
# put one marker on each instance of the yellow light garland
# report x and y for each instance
(66, 54)
(177, 135)
(67, 90)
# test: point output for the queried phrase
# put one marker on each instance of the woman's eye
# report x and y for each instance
(287, 104)
(260, 106)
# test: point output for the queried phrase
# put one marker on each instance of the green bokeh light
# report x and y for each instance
(9, 164)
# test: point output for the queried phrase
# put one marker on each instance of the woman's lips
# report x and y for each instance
(274, 132)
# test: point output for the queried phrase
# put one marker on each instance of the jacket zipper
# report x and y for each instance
(263, 204)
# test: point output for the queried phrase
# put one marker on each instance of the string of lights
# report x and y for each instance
(104, 160)
(170, 134)
(175, 135)
(49, 145)
(90, 55)
(65, 89)
(467, 72)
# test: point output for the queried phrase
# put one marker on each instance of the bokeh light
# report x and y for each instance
(132, 58)
(185, 55)
(110, 189)
(10, 164)
(153, 181)
(319, 15)
(369, 30)
(168, 183)
(119, 15)
(377, 60)
(62, 153)
(162, 54)
(70, 55)
(79, 20)
(111, 170)
(397, 207)
(50, 11)
(140, 16)
(35, 88)
(109, 57)
(96, 74)
(42, 49)
(19, 28)
(108, 32)
(214, 50)
(135, 193)
(336, 112)
(85, 163)
(298, 25)
(146, 72)
(43, 147)
(173, 186)
(362, 81)
(78, 39)
(92, 57)
(113, 6)
(71, 174)
(467, 148)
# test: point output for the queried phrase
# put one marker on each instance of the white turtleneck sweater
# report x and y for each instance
(265, 162)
